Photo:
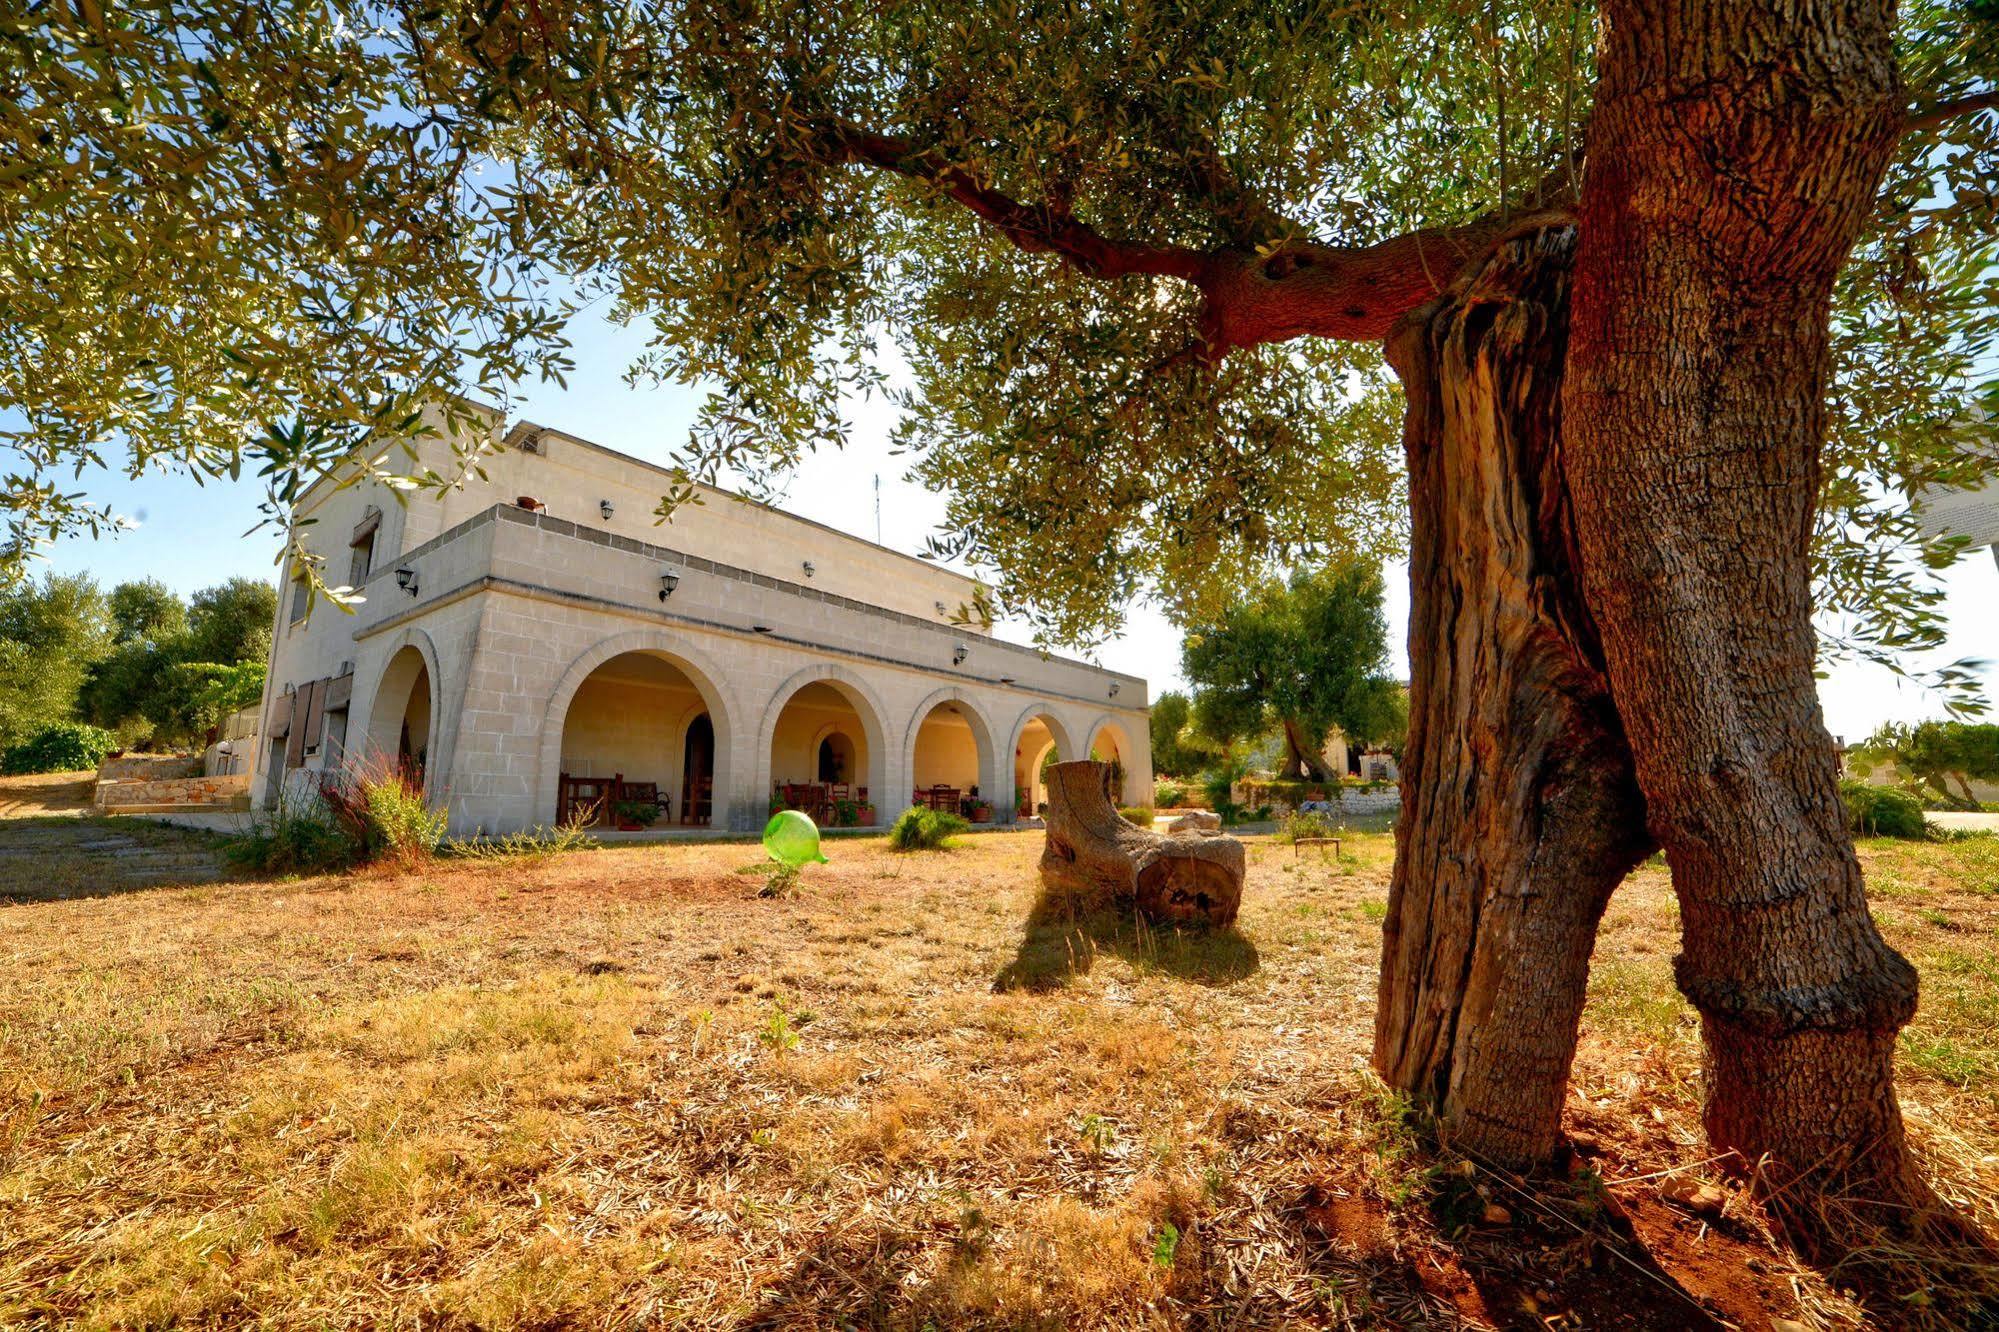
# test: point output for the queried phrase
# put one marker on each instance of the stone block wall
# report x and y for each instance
(148, 767)
(170, 793)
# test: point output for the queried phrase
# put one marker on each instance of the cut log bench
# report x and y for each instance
(1192, 878)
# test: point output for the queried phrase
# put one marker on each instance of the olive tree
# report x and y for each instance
(1684, 303)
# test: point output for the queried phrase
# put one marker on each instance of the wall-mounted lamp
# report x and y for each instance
(668, 580)
(606, 508)
(1113, 691)
(942, 609)
(959, 653)
(810, 569)
(406, 579)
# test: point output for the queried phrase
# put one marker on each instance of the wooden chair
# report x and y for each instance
(585, 799)
(945, 798)
(697, 804)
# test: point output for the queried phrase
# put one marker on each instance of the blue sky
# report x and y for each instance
(191, 536)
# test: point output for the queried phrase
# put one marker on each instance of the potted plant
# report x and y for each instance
(864, 816)
(982, 811)
(846, 813)
(636, 815)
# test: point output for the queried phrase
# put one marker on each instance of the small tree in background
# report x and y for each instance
(147, 611)
(50, 633)
(1176, 750)
(1936, 754)
(1303, 657)
(178, 668)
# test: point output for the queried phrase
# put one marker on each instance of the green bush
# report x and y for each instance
(1168, 795)
(922, 829)
(1882, 811)
(351, 819)
(395, 821)
(63, 747)
(296, 835)
(1138, 814)
(1306, 824)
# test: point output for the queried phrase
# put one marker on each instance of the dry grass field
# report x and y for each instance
(618, 1088)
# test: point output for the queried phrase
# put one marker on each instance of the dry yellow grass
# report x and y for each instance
(617, 1088)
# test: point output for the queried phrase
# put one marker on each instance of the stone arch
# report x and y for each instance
(1127, 751)
(1058, 731)
(867, 706)
(994, 783)
(701, 672)
(411, 659)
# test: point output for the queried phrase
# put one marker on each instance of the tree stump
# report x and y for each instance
(1179, 880)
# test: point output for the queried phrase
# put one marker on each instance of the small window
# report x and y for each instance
(301, 598)
(363, 559)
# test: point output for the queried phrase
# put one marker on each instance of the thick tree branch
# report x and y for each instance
(1250, 296)
(1037, 230)
(1933, 114)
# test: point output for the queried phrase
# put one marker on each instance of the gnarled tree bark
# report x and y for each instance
(1734, 155)
(1520, 813)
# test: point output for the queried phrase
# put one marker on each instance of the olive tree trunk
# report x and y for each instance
(1520, 813)
(1734, 154)
(1301, 759)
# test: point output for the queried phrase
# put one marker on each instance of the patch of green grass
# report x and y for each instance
(1637, 999)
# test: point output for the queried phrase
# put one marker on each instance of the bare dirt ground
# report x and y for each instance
(618, 1088)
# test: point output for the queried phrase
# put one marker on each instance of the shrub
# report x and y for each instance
(63, 747)
(385, 816)
(921, 829)
(1882, 811)
(536, 843)
(1138, 814)
(296, 835)
(644, 813)
(1312, 823)
(1168, 795)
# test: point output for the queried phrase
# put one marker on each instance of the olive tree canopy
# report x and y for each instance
(1121, 267)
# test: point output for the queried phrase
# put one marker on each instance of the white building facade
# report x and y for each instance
(536, 632)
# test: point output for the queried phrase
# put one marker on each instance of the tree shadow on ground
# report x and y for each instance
(1064, 933)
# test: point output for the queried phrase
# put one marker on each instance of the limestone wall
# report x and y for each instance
(172, 793)
(516, 613)
(129, 767)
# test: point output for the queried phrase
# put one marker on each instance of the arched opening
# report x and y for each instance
(1032, 754)
(399, 722)
(947, 762)
(638, 746)
(821, 756)
(1110, 747)
(837, 755)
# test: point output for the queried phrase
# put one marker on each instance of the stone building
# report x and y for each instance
(536, 632)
